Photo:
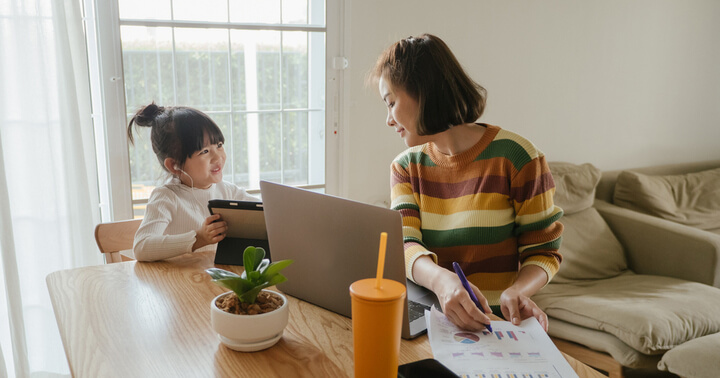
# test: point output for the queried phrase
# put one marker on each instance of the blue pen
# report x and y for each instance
(467, 287)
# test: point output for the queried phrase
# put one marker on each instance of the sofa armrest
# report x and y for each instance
(659, 247)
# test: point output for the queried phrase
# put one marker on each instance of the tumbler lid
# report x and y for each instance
(389, 289)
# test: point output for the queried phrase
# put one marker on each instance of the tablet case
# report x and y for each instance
(427, 368)
(246, 227)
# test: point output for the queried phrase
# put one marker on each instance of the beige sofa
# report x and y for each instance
(631, 286)
(687, 195)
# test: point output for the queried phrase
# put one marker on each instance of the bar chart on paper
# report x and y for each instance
(510, 351)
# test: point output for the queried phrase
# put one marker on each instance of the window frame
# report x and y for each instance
(109, 107)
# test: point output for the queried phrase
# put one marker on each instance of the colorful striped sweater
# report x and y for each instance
(489, 208)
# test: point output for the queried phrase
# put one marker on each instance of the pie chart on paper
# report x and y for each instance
(466, 338)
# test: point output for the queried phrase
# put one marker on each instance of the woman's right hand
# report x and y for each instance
(212, 231)
(454, 300)
(457, 304)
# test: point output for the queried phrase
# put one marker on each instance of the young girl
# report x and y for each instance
(189, 145)
(468, 192)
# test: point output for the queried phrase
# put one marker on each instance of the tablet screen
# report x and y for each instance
(245, 219)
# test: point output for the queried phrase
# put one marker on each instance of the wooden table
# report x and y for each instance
(153, 320)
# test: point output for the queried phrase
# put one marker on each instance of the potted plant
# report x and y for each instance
(250, 318)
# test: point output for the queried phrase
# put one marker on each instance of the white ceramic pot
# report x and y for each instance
(249, 333)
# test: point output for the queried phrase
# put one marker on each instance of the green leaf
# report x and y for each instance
(218, 274)
(276, 279)
(276, 267)
(263, 265)
(254, 276)
(251, 295)
(237, 285)
(252, 257)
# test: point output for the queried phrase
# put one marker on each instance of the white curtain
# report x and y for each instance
(48, 185)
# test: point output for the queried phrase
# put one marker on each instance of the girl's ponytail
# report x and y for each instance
(146, 116)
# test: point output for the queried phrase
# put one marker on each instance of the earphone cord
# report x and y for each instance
(192, 189)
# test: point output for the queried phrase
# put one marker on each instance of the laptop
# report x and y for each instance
(334, 242)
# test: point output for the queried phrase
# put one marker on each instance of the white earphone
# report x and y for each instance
(186, 174)
(192, 184)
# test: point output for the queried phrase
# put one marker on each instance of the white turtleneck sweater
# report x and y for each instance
(174, 212)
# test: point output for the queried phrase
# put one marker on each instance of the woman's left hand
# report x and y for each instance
(517, 307)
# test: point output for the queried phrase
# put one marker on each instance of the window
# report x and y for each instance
(258, 68)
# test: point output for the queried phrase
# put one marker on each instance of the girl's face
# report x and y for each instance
(204, 166)
(403, 112)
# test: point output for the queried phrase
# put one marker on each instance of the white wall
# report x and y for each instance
(618, 83)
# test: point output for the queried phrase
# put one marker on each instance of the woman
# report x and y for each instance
(468, 192)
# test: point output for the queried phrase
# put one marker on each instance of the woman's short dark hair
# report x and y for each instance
(176, 131)
(428, 71)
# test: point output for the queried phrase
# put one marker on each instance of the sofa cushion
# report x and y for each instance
(603, 342)
(590, 250)
(692, 199)
(574, 185)
(696, 358)
(652, 314)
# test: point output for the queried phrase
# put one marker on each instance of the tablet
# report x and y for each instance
(427, 368)
(246, 227)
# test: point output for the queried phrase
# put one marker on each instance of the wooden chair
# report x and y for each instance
(113, 237)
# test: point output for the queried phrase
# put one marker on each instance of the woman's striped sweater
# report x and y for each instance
(489, 208)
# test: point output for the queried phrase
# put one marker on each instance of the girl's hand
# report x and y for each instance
(517, 307)
(457, 304)
(212, 231)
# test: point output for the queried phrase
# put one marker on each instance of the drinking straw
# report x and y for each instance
(381, 259)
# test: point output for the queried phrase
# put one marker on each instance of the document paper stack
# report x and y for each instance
(523, 351)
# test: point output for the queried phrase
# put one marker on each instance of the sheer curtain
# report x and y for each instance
(48, 185)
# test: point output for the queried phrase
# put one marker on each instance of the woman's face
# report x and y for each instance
(403, 112)
(204, 166)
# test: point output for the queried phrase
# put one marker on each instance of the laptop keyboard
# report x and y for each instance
(416, 310)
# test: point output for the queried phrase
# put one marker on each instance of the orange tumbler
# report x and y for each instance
(377, 315)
